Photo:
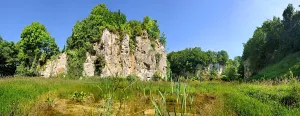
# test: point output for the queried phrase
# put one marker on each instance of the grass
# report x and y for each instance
(28, 96)
(282, 68)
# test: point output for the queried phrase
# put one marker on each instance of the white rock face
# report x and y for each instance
(120, 62)
(56, 66)
(110, 49)
(217, 67)
(247, 70)
(89, 66)
(143, 62)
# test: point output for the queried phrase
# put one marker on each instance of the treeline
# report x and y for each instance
(274, 40)
(27, 56)
(192, 63)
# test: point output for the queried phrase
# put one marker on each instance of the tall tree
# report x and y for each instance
(8, 54)
(35, 47)
(288, 15)
(222, 57)
(273, 30)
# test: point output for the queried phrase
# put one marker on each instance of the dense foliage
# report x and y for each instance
(231, 69)
(35, 47)
(90, 29)
(8, 58)
(187, 62)
(274, 40)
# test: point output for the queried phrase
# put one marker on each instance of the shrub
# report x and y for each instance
(50, 102)
(79, 96)
(132, 78)
(158, 57)
(289, 101)
(75, 61)
(153, 45)
(132, 45)
(157, 76)
(213, 75)
(99, 64)
(194, 78)
(181, 79)
(225, 78)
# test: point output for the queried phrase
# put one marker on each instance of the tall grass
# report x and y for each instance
(19, 95)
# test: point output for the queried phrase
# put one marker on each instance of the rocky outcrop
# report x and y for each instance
(247, 71)
(216, 67)
(144, 61)
(88, 65)
(56, 66)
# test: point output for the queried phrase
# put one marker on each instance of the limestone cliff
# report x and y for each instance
(144, 61)
(216, 67)
(247, 70)
(55, 66)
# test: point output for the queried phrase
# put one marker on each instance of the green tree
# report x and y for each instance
(254, 49)
(272, 29)
(288, 15)
(230, 72)
(189, 61)
(151, 27)
(222, 57)
(35, 47)
(163, 39)
(8, 58)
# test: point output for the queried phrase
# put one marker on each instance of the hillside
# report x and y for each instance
(273, 49)
(287, 67)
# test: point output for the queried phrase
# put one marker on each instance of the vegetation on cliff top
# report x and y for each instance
(89, 31)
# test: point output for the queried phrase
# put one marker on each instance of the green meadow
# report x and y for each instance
(121, 96)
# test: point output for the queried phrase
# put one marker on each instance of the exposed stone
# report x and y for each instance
(248, 72)
(56, 66)
(88, 66)
(162, 63)
(118, 59)
(216, 67)
(111, 52)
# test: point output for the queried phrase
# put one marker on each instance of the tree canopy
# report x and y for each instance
(274, 40)
(90, 29)
(192, 59)
(35, 47)
(8, 58)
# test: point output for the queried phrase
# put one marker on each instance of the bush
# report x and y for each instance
(194, 78)
(153, 45)
(213, 75)
(225, 78)
(181, 79)
(99, 64)
(132, 78)
(158, 58)
(157, 76)
(79, 96)
(76, 59)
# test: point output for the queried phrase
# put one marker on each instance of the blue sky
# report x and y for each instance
(209, 24)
